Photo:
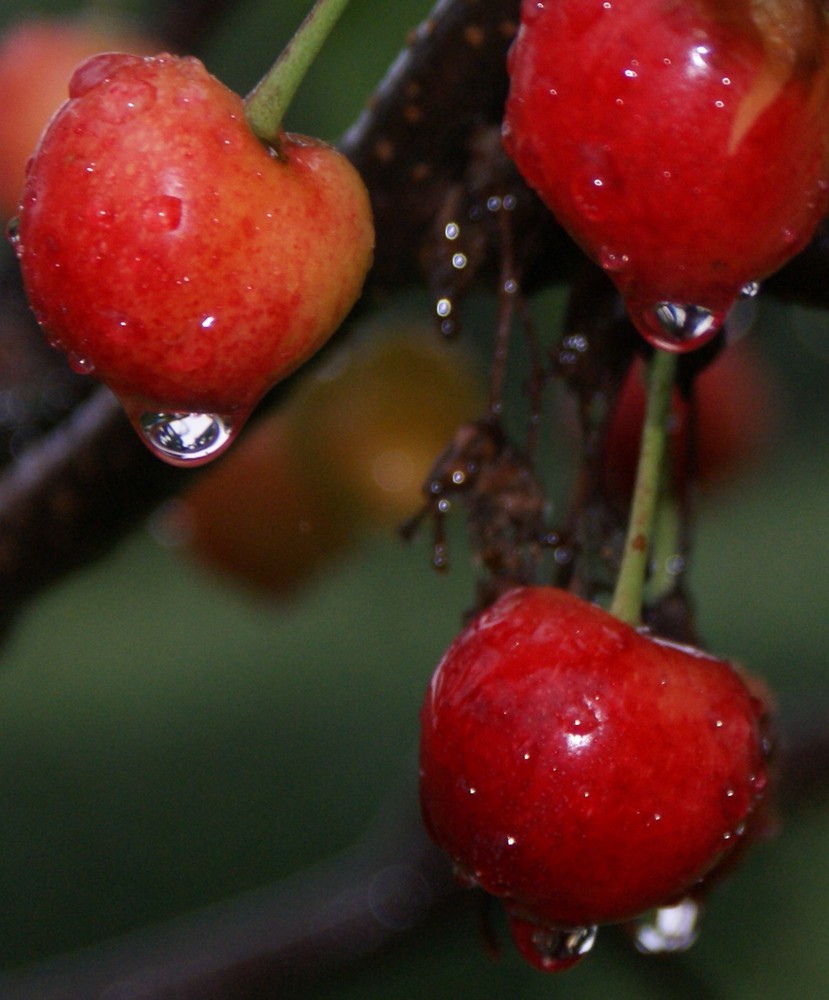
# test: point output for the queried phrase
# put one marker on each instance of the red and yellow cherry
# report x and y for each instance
(346, 453)
(37, 57)
(259, 518)
(184, 262)
(683, 145)
(379, 415)
(583, 771)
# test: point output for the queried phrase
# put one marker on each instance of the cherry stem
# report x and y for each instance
(626, 603)
(266, 104)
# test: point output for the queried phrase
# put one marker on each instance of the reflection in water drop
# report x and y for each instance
(186, 438)
(674, 326)
(750, 290)
(668, 929)
(13, 232)
(551, 949)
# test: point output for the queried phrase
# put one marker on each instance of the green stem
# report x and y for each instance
(266, 104)
(627, 597)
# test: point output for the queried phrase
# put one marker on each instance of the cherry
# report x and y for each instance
(722, 430)
(37, 57)
(346, 453)
(168, 250)
(683, 145)
(582, 770)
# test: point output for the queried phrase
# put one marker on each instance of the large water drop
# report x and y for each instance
(551, 949)
(187, 439)
(674, 326)
(668, 929)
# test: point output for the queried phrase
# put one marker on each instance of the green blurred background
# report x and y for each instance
(167, 740)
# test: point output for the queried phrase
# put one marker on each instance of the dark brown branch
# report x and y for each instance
(289, 935)
(73, 495)
(259, 945)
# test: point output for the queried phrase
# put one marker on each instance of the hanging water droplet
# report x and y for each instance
(668, 929)
(674, 326)
(750, 290)
(187, 438)
(79, 364)
(13, 232)
(551, 949)
(447, 321)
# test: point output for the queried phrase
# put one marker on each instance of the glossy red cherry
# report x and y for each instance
(583, 771)
(167, 249)
(683, 145)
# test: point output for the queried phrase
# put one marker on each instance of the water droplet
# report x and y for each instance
(668, 929)
(750, 290)
(551, 949)
(126, 98)
(597, 188)
(189, 439)
(79, 364)
(674, 326)
(98, 69)
(161, 214)
(613, 262)
(13, 233)
(446, 320)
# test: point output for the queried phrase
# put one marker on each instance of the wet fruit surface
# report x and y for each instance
(37, 57)
(582, 771)
(186, 264)
(684, 146)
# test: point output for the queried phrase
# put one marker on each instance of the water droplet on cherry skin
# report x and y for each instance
(551, 949)
(668, 929)
(80, 364)
(182, 438)
(674, 326)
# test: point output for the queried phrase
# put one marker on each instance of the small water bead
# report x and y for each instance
(551, 949)
(750, 290)
(162, 214)
(125, 100)
(187, 439)
(13, 233)
(674, 326)
(97, 70)
(669, 929)
(79, 364)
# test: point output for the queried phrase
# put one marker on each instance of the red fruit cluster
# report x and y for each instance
(583, 771)
(186, 263)
(683, 145)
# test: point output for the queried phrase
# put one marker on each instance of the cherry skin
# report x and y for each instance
(583, 771)
(37, 57)
(683, 145)
(167, 249)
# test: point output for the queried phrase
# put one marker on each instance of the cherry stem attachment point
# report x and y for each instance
(266, 104)
(626, 603)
